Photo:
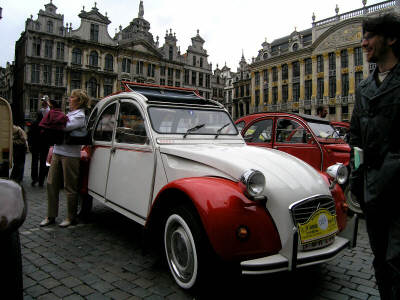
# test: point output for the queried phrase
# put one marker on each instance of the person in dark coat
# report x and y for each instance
(374, 134)
(39, 148)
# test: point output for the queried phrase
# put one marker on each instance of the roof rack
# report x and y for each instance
(157, 93)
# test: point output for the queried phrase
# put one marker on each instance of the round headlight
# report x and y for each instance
(254, 182)
(338, 172)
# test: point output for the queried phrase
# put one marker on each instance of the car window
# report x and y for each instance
(324, 131)
(92, 118)
(259, 132)
(290, 132)
(130, 127)
(105, 126)
(240, 126)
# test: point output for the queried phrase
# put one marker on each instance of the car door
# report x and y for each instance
(294, 138)
(132, 162)
(259, 133)
(100, 158)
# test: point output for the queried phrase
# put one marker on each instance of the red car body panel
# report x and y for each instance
(223, 208)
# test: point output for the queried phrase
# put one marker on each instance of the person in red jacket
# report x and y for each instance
(53, 123)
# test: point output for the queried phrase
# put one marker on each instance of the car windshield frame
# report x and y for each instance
(173, 120)
(324, 132)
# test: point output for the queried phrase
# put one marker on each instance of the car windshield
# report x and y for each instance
(324, 131)
(191, 121)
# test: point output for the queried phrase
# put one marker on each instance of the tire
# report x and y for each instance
(352, 201)
(85, 204)
(184, 245)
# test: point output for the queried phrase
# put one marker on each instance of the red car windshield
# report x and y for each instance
(325, 132)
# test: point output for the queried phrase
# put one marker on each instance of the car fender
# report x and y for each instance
(223, 209)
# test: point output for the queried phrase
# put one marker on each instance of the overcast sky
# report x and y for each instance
(227, 26)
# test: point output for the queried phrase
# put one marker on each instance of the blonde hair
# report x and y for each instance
(84, 100)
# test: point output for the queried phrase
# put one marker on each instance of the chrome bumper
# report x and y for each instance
(290, 258)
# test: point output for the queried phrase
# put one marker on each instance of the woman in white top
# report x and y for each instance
(65, 164)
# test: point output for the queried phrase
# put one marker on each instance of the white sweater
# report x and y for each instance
(76, 119)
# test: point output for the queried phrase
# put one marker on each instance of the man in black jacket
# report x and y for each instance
(374, 129)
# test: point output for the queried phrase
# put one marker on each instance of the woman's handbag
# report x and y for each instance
(79, 136)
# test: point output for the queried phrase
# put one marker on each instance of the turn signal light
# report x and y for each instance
(242, 233)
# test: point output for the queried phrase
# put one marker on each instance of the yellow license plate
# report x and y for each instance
(321, 224)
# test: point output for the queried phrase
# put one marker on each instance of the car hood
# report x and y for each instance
(288, 179)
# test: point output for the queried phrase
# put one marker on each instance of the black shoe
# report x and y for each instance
(34, 182)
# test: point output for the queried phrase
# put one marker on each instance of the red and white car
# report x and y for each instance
(176, 164)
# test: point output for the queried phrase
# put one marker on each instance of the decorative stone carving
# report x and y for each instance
(341, 37)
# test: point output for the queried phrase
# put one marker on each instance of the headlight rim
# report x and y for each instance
(245, 179)
(335, 172)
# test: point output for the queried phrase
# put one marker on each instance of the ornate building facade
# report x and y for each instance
(321, 65)
(52, 58)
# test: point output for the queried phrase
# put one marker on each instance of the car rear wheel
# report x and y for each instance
(183, 238)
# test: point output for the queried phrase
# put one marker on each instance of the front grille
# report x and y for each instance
(302, 210)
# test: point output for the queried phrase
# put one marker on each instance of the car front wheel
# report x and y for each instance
(183, 248)
(352, 201)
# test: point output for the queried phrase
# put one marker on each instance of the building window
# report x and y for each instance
(295, 47)
(266, 98)
(285, 72)
(332, 86)
(332, 110)
(108, 85)
(178, 74)
(358, 78)
(33, 102)
(201, 78)
(94, 32)
(171, 53)
(265, 76)
(35, 74)
(47, 74)
(170, 82)
(109, 62)
(93, 59)
(296, 69)
(60, 50)
(36, 44)
(162, 71)
(77, 56)
(194, 60)
(186, 78)
(76, 79)
(308, 66)
(126, 65)
(332, 61)
(48, 49)
(274, 95)
(170, 73)
(344, 59)
(59, 76)
(194, 77)
(257, 99)
(150, 70)
(257, 78)
(139, 67)
(274, 74)
(320, 63)
(201, 62)
(308, 89)
(208, 80)
(345, 85)
(49, 26)
(358, 56)
(320, 88)
(92, 87)
(285, 93)
(162, 81)
(296, 92)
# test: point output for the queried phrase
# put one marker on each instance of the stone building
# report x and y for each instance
(52, 58)
(7, 81)
(241, 90)
(218, 85)
(321, 65)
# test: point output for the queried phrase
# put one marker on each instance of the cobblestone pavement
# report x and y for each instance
(104, 259)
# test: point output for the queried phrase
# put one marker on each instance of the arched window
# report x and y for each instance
(92, 87)
(77, 56)
(93, 59)
(109, 62)
(295, 47)
(171, 53)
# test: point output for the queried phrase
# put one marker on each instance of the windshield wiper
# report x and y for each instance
(195, 128)
(219, 130)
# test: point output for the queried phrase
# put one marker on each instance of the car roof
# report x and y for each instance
(306, 117)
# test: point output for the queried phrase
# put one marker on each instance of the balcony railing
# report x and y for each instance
(357, 12)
